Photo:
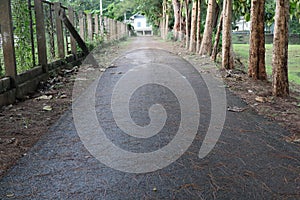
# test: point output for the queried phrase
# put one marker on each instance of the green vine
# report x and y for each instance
(21, 24)
(1, 62)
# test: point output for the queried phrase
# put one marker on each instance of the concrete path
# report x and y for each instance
(152, 126)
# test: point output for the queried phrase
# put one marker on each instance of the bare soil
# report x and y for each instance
(23, 123)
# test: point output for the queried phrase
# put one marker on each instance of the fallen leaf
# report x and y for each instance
(47, 108)
(236, 109)
(297, 140)
(261, 99)
(10, 195)
(44, 97)
(112, 66)
(63, 96)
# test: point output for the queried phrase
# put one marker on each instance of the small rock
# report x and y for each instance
(154, 189)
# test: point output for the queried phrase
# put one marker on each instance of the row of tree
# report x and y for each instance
(202, 24)
(188, 17)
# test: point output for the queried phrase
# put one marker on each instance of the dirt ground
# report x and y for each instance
(23, 123)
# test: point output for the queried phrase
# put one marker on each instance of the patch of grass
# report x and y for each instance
(242, 51)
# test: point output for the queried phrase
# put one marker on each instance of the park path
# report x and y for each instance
(249, 161)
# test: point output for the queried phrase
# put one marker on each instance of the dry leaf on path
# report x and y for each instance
(44, 97)
(236, 109)
(261, 99)
(47, 108)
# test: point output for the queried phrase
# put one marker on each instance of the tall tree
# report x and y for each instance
(227, 55)
(187, 23)
(280, 49)
(163, 20)
(177, 18)
(193, 36)
(198, 26)
(181, 29)
(206, 44)
(217, 39)
(257, 69)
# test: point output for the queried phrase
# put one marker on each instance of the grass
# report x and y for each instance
(242, 51)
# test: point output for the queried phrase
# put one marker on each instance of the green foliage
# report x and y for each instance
(295, 9)
(1, 64)
(242, 50)
(294, 26)
(21, 23)
(170, 36)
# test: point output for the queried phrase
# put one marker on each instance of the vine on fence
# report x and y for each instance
(1, 60)
(22, 34)
(50, 32)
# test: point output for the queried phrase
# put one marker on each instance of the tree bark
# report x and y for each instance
(280, 49)
(257, 69)
(177, 20)
(217, 40)
(187, 24)
(193, 36)
(181, 30)
(227, 57)
(163, 21)
(198, 26)
(167, 26)
(206, 44)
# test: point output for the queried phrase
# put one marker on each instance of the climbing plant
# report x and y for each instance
(1, 61)
(22, 34)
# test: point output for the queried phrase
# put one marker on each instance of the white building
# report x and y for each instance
(242, 25)
(141, 26)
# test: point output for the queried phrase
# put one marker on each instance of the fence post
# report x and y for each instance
(102, 24)
(8, 40)
(112, 29)
(73, 41)
(116, 29)
(97, 25)
(41, 36)
(106, 28)
(81, 25)
(59, 31)
(90, 26)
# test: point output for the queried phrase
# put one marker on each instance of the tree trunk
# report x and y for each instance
(198, 26)
(167, 26)
(187, 24)
(217, 40)
(216, 11)
(280, 49)
(227, 57)
(257, 69)
(206, 44)
(181, 31)
(193, 36)
(163, 23)
(177, 20)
